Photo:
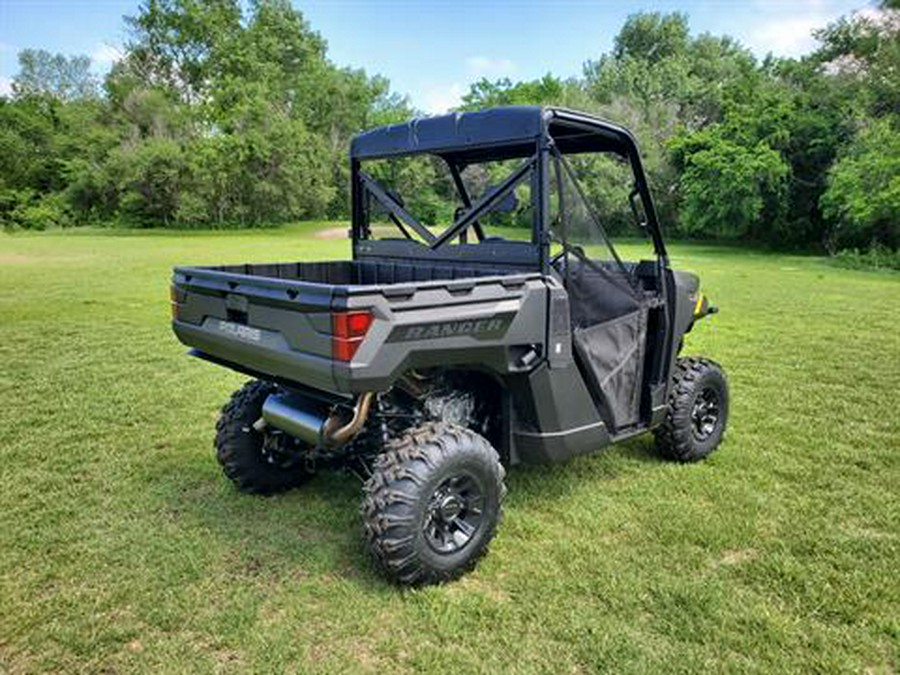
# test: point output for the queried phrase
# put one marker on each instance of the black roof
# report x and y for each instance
(495, 133)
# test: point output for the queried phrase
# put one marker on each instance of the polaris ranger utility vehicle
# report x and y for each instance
(438, 356)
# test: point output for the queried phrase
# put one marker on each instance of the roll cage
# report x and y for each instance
(540, 137)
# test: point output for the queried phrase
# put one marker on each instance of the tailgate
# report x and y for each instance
(272, 326)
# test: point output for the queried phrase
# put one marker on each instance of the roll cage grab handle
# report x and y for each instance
(400, 216)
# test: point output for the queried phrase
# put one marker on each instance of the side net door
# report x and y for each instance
(608, 308)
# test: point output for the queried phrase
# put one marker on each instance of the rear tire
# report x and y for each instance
(432, 504)
(256, 462)
(698, 411)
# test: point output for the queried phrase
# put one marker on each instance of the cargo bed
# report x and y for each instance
(279, 320)
(358, 272)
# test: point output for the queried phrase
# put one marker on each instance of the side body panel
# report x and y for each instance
(489, 324)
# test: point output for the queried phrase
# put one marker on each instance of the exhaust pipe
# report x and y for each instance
(346, 433)
(310, 421)
(296, 415)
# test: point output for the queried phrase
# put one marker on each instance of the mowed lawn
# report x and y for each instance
(123, 548)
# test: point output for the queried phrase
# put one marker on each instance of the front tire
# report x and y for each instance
(258, 462)
(698, 411)
(432, 504)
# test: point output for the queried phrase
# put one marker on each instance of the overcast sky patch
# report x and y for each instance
(105, 55)
(438, 99)
(484, 66)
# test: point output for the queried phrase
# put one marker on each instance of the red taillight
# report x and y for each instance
(348, 330)
(176, 297)
(358, 323)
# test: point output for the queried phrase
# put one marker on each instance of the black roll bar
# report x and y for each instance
(485, 203)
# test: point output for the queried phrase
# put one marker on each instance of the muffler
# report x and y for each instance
(312, 421)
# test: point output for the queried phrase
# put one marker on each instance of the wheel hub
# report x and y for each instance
(280, 450)
(454, 513)
(705, 414)
(450, 508)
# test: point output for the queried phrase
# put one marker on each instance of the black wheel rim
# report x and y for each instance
(454, 513)
(705, 414)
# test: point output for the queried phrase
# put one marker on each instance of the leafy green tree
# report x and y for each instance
(726, 187)
(54, 75)
(85, 141)
(655, 61)
(862, 51)
(662, 83)
(860, 57)
(863, 195)
(809, 121)
(176, 45)
(27, 144)
(266, 116)
(652, 37)
(41, 139)
(486, 93)
(229, 113)
(150, 177)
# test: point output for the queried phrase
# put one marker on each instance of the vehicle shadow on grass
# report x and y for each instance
(309, 533)
(313, 533)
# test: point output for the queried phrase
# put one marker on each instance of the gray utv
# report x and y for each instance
(439, 356)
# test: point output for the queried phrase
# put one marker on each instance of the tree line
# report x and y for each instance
(227, 114)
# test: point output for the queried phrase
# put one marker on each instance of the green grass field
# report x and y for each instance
(123, 549)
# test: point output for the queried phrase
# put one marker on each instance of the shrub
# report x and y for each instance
(876, 257)
(863, 195)
(23, 209)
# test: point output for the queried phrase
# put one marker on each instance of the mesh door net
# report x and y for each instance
(608, 316)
